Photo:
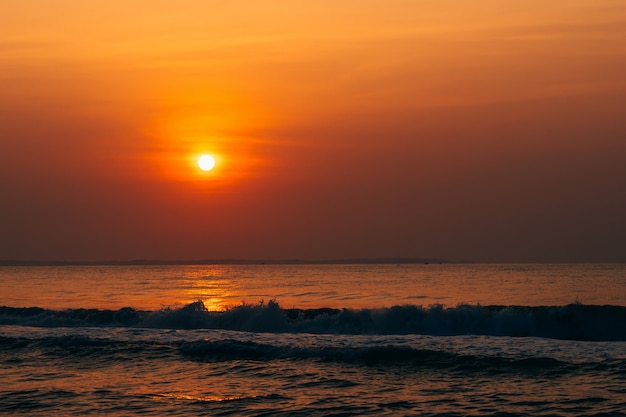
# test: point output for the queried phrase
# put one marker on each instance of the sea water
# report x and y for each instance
(434, 340)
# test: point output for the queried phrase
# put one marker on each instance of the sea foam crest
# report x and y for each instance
(573, 321)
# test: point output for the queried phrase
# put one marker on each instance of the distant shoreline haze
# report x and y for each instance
(233, 262)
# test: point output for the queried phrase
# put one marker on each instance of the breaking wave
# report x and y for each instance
(569, 322)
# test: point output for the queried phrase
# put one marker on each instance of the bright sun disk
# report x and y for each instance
(206, 162)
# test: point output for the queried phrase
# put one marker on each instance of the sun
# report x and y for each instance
(206, 162)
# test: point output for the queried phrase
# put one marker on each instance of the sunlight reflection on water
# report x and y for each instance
(311, 286)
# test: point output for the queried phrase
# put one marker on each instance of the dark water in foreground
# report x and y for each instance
(391, 358)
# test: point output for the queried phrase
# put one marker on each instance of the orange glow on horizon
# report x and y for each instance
(339, 129)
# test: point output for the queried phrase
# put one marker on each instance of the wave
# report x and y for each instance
(389, 355)
(569, 322)
(89, 350)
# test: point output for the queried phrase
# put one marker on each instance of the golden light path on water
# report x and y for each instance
(208, 286)
(311, 286)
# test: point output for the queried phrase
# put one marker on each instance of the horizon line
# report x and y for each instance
(230, 261)
(237, 261)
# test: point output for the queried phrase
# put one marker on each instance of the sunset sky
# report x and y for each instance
(484, 130)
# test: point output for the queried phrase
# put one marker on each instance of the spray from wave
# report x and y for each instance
(569, 322)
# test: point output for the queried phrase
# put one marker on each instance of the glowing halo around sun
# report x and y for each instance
(206, 162)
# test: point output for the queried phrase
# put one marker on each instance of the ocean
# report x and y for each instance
(313, 340)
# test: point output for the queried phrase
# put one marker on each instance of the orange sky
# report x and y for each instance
(482, 130)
